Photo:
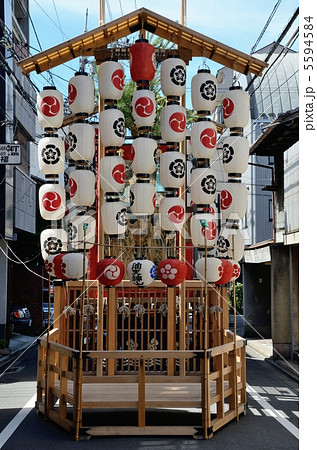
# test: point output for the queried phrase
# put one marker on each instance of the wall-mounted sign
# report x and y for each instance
(10, 154)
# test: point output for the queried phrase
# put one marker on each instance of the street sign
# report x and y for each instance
(10, 154)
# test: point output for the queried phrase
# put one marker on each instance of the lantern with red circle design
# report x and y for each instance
(114, 217)
(49, 264)
(235, 155)
(81, 142)
(53, 241)
(112, 127)
(142, 61)
(81, 94)
(172, 271)
(203, 185)
(173, 77)
(81, 231)
(141, 272)
(110, 271)
(51, 155)
(52, 201)
(173, 123)
(233, 201)
(144, 149)
(143, 109)
(172, 213)
(204, 92)
(82, 187)
(203, 228)
(50, 108)
(227, 272)
(142, 198)
(209, 269)
(111, 80)
(203, 139)
(112, 173)
(172, 169)
(235, 108)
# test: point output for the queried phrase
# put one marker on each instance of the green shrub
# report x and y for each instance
(239, 297)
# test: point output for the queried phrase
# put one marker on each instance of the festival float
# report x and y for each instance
(141, 316)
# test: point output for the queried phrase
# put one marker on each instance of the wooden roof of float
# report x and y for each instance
(94, 42)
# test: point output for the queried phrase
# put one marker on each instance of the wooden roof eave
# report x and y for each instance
(86, 43)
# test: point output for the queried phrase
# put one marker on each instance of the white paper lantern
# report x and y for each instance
(173, 77)
(67, 173)
(209, 269)
(53, 241)
(82, 187)
(235, 108)
(235, 155)
(142, 198)
(50, 108)
(112, 173)
(233, 201)
(144, 151)
(81, 229)
(172, 169)
(111, 80)
(141, 272)
(203, 235)
(203, 139)
(173, 123)
(51, 155)
(81, 94)
(114, 217)
(81, 142)
(112, 127)
(203, 185)
(172, 213)
(231, 243)
(52, 201)
(143, 108)
(74, 266)
(204, 91)
(49, 264)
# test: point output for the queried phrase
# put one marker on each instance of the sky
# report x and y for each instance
(237, 23)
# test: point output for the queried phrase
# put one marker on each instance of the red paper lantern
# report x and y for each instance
(227, 272)
(172, 271)
(142, 61)
(110, 271)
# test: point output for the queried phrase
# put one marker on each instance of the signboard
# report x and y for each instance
(10, 154)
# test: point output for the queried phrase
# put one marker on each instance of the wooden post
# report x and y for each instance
(63, 364)
(141, 394)
(111, 328)
(235, 349)
(205, 396)
(47, 346)
(171, 326)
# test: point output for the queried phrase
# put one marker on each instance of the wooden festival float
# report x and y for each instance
(133, 333)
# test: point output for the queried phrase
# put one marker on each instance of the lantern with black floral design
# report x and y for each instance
(51, 156)
(203, 185)
(235, 155)
(114, 216)
(204, 92)
(173, 77)
(172, 169)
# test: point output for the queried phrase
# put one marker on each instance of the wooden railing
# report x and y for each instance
(219, 390)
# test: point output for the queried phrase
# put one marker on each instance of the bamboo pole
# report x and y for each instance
(47, 346)
(81, 342)
(235, 349)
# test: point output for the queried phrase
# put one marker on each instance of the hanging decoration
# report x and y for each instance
(141, 272)
(110, 271)
(172, 271)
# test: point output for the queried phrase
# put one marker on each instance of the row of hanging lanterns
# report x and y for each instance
(203, 182)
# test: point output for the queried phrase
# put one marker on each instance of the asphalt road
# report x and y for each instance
(271, 421)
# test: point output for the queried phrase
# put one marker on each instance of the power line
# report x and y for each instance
(266, 25)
